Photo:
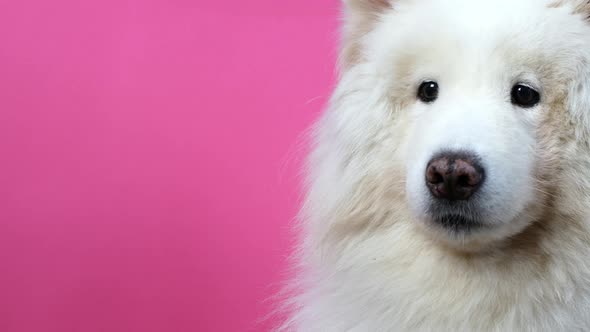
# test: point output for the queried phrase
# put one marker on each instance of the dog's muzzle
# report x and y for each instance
(454, 179)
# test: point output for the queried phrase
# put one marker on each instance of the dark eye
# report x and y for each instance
(428, 91)
(524, 96)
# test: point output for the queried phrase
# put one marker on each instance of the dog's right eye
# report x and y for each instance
(524, 96)
(428, 91)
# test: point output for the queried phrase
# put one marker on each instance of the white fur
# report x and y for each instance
(370, 260)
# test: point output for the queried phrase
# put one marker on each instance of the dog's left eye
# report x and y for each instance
(428, 91)
(524, 96)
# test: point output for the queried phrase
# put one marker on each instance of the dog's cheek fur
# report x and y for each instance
(356, 180)
(356, 169)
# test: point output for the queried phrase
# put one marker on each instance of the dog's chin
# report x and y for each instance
(462, 233)
(457, 224)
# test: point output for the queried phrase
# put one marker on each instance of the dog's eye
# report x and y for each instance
(428, 91)
(524, 96)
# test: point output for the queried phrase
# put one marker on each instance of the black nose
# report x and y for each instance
(454, 175)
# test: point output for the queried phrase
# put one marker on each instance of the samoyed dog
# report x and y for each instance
(449, 183)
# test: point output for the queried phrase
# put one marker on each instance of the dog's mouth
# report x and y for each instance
(458, 223)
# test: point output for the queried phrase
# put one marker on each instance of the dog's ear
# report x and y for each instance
(359, 19)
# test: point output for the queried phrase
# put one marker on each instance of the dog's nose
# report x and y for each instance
(454, 176)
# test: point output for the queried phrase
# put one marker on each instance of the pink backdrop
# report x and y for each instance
(148, 158)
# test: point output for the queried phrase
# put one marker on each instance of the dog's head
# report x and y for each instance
(467, 106)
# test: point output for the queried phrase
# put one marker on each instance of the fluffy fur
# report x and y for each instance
(370, 259)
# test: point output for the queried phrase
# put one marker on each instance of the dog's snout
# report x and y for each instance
(454, 176)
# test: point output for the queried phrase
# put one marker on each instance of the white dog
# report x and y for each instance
(449, 185)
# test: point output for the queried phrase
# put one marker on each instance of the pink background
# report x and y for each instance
(149, 158)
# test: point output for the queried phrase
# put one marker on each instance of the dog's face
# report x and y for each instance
(478, 104)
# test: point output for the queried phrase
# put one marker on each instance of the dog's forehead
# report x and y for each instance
(524, 30)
